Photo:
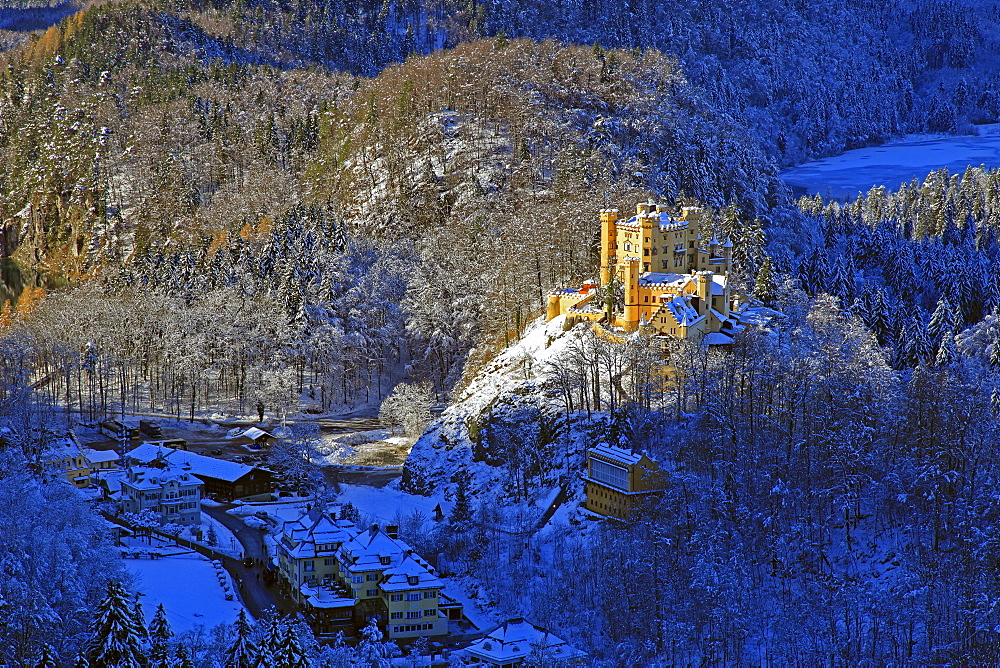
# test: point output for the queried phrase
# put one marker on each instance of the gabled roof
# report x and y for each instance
(201, 465)
(368, 550)
(411, 572)
(617, 454)
(516, 639)
(100, 456)
(302, 536)
(254, 433)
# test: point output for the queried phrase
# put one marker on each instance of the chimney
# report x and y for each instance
(392, 530)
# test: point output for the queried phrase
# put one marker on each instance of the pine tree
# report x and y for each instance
(941, 320)
(291, 654)
(47, 658)
(139, 620)
(947, 352)
(763, 285)
(159, 634)
(116, 641)
(242, 651)
(995, 355)
(461, 514)
(183, 658)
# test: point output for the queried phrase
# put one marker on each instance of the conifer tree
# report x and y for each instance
(159, 635)
(116, 642)
(461, 514)
(942, 319)
(183, 658)
(995, 355)
(139, 620)
(47, 659)
(291, 654)
(763, 285)
(242, 651)
(947, 352)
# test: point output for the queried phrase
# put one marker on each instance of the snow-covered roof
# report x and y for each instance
(515, 639)
(155, 477)
(661, 278)
(680, 308)
(201, 465)
(253, 433)
(325, 597)
(757, 315)
(372, 550)
(410, 572)
(716, 339)
(314, 533)
(100, 456)
(60, 449)
(616, 453)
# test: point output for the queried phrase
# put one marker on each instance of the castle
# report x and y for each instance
(659, 273)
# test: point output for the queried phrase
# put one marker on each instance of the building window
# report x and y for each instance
(615, 476)
(430, 594)
(371, 592)
(328, 561)
(430, 612)
(396, 597)
(413, 614)
(308, 566)
(384, 560)
(413, 597)
(395, 615)
(372, 577)
(357, 579)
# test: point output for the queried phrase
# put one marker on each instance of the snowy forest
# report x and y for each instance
(237, 206)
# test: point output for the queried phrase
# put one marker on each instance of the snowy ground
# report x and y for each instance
(889, 165)
(189, 588)
(376, 447)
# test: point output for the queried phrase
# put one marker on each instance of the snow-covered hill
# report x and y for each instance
(505, 427)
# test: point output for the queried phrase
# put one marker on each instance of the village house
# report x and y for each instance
(170, 491)
(618, 480)
(101, 460)
(64, 457)
(658, 273)
(224, 480)
(341, 576)
(516, 642)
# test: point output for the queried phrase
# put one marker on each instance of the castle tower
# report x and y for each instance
(633, 268)
(703, 288)
(646, 239)
(609, 238)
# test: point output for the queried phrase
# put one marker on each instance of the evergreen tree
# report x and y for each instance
(942, 320)
(763, 285)
(291, 654)
(995, 355)
(183, 658)
(116, 642)
(947, 351)
(461, 514)
(47, 658)
(139, 620)
(159, 634)
(242, 651)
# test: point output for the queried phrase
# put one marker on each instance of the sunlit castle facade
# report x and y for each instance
(661, 273)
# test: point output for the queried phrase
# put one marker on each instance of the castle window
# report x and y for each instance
(646, 299)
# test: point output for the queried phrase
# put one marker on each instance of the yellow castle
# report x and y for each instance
(657, 272)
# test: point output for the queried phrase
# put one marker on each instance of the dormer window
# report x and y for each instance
(384, 560)
(413, 579)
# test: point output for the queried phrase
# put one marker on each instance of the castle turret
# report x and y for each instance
(552, 306)
(646, 223)
(609, 235)
(631, 293)
(703, 288)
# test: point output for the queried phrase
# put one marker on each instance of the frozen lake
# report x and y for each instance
(889, 165)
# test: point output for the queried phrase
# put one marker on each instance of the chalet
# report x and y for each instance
(520, 643)
(224, 480)
(169, 491)
(618, 480)
(101, 460)
(64, 457)
(260, 438)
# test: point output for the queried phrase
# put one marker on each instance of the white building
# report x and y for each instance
(171, 492)
(515, 641)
